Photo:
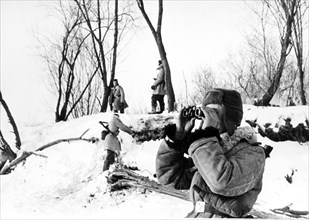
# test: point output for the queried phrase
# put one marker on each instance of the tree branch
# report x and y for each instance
(26, 154)
(286, 210)
(12, 121)
(140, 5)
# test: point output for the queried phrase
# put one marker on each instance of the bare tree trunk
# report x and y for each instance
(81, 95)
(290, 11)
(168, 79)
(301, 82)
(104, 105)
(107, 90)
(298, 48)
(64, 73)
(12, 121)
(158, 38)
(6, 152)
(98, 41)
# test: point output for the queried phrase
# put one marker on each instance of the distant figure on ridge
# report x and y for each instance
(290, 101)
(255, 101)
(117, 100)
(159, 91)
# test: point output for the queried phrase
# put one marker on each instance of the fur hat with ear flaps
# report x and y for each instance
(231, 99)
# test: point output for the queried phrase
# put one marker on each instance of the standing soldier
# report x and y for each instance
(111, 143)
(118, 98)
(290, 101)
(159, 91)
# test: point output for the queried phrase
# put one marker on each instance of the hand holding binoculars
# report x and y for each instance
(193, 112)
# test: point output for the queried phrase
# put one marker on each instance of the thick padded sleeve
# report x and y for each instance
(172, 168)
(228, 176)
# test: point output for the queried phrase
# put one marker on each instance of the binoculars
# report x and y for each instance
(193, 112)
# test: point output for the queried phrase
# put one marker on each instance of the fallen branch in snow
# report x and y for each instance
(286, 210)
(26, 154)
(17, 160)
(123, 178)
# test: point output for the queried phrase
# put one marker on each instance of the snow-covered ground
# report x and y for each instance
(67, 181)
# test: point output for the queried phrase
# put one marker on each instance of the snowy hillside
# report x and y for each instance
(66, 180)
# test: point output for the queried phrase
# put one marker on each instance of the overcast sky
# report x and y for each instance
(195, 34)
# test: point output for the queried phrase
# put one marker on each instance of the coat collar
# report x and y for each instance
(242, 133)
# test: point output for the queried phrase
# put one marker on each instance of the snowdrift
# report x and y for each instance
(66, 180)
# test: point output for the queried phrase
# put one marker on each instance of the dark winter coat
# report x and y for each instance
(301, 133)
(285, 133)
(225, 176)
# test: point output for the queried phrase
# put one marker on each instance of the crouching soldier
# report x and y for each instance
(225, 166)
(111, 143)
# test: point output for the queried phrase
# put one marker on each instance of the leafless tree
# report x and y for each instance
(284, 12)
(203, 80)
(246, 72)
(288, 85)
(6, 153)
(263, 67)
(298, 44)
(159, 41)
(83, 61)
(65, 61)
(88, 103)
(105, 24)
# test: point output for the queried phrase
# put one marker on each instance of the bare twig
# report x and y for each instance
(26, 154)
(84, 133)
(286, 210)
(39, 155)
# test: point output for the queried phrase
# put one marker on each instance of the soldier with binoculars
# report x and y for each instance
(221, 163)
